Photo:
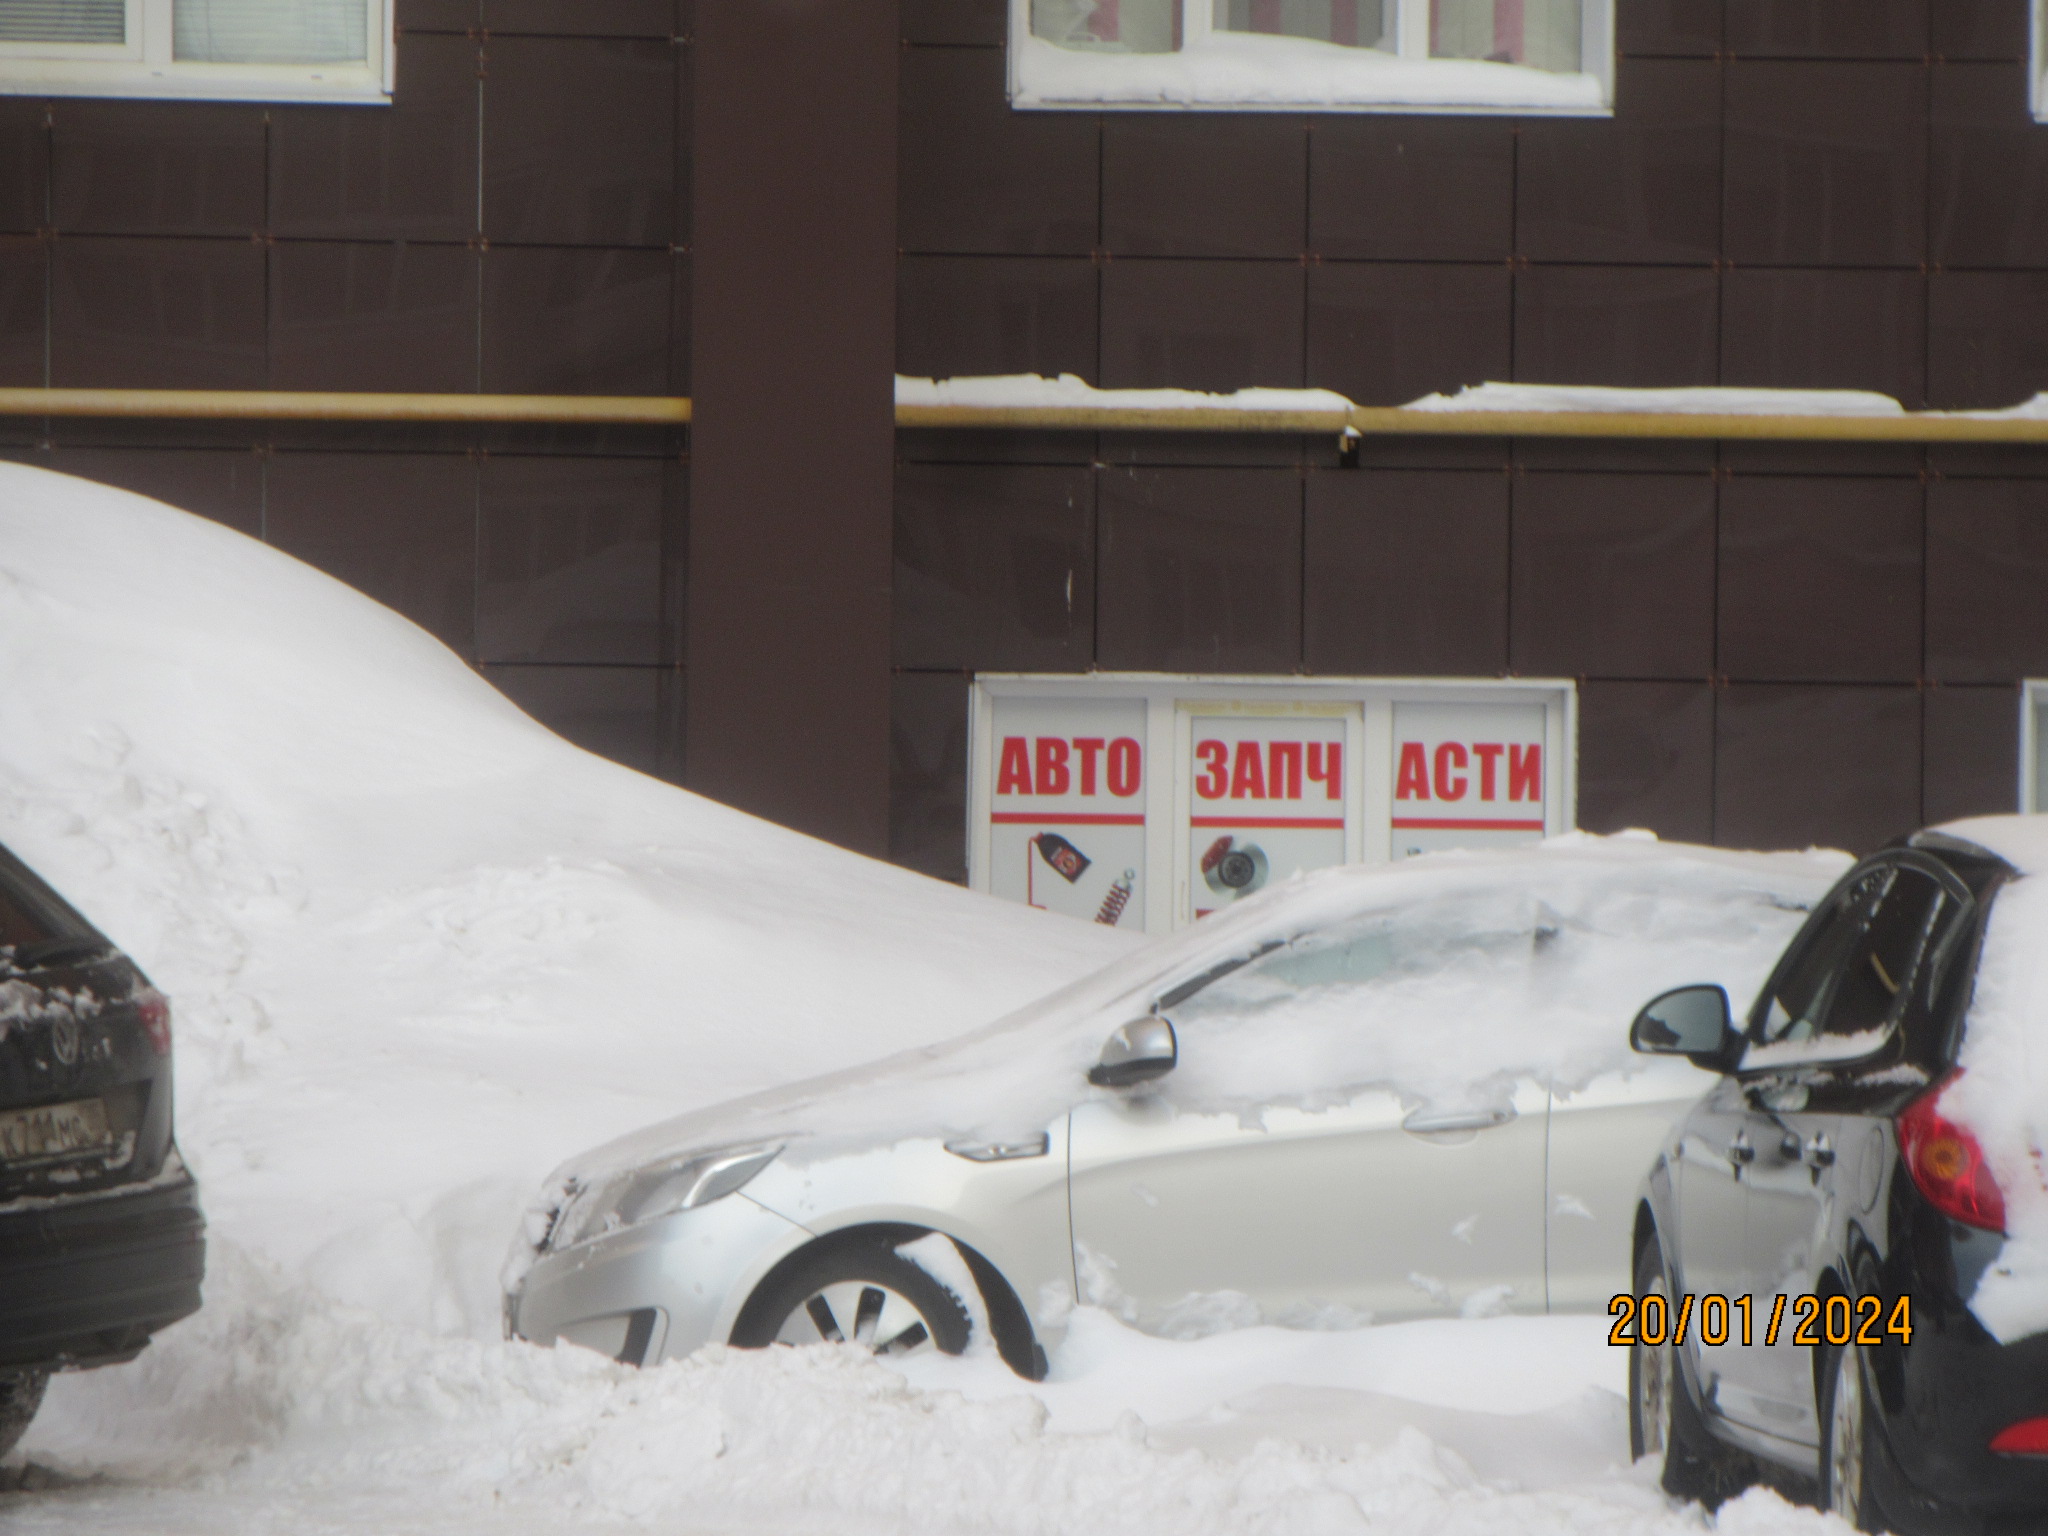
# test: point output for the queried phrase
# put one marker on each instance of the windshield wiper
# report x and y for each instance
(1216, 972)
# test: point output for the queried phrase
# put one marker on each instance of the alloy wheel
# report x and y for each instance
(1653, 1385)
(858, 1312)
(1845, 1439)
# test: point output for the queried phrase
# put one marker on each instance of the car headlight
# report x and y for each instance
(680, 1183)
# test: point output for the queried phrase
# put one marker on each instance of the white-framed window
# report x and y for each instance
(211, 50)
(1521, 56)
(2033, 794)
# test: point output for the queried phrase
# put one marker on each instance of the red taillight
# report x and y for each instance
(155, 1011)
(1947, 1165)
(2029, 1437)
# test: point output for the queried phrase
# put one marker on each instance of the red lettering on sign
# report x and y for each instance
(1412, 782)
(1013, 777)
(1087, 747)
(1525, 772)
(1283, 769)
(1488, 753)
(1449, 755)
(1215, 780)
(1053, 777)
(1124, 761)
(1247, 773)
(1323, 758)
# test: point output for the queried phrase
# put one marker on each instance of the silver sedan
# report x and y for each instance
(1372, 1094)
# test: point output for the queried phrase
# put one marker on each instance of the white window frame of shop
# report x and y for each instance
(1156, 712)
(2033, 795)
(1211, 67)
(154, 58)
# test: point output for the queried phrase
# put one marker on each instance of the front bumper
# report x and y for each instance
(86, 1281)
(653, 1292)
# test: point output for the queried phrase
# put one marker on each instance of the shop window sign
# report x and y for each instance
(1147, 801)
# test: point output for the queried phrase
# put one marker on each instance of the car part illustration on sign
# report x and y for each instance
(1067, 811)
(1266, 797)
(1231, 871)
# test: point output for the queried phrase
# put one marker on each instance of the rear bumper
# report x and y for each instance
(87, 1281)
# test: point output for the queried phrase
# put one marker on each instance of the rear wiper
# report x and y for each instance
(69, 947)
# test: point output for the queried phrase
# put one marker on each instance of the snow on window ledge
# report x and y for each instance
(1255, 72)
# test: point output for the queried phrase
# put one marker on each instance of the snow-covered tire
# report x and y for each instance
(1662, 1417)
(21, 1394)
(859, 1293)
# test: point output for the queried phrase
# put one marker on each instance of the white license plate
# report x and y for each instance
(54, 1130)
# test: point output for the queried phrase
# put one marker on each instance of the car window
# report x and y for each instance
(32, 916)
(1857, 972)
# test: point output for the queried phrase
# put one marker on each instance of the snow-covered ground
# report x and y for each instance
(421, 950)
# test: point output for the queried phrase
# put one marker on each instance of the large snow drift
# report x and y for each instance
(421, 950)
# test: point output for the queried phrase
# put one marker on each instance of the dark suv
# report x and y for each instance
(100, 1232)
(1810, 1236)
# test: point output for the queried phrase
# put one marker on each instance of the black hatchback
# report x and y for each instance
(101, 1237)
(1811, 1234)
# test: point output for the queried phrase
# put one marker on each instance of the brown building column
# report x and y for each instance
(792, 447)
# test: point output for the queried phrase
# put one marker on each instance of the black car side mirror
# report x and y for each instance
(1693, 1022)
(1137, 1052)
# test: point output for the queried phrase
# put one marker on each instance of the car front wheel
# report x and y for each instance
(866, 1294)
(1662, 1418)
(21, 1393)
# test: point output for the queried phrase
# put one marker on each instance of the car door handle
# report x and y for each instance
(1740, 1151)
(1426, 1122)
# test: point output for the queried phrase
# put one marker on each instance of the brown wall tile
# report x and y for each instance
(1216, 325)
(1987, 338)
(24, 308)
(576, 321)
(578, 141)
(1827, 29)
(1200, 570)
(222, 484)
(995, 567)
(156, 168)
(579, 18)
(975, 176)
(1411, 188)
(1826, 163)
(157, 314)
(996, 314)
(24, 165)
(928, 774)
(400, 528)
(1979, 29)
(1639, 327)
(439, 15)
(615, 712)
(1987, 566)
(570, 568)
(1613, 576)
(984, 22)
(1671, 28)
(1646, 759)
(1644, 185)
(1820, 580)
(1834, 766)
(407, 171)
(372, 317)
(1971, 753)
(1987, 169)
(1825, 330)
(1384, 333)
(1405, 573)
(1204, 184)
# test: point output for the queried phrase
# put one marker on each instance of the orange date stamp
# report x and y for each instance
(1718, 1319)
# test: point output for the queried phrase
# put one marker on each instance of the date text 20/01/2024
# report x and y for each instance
(1834, 1320)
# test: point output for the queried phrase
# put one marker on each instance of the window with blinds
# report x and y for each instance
(250, 50)
(1522, 56)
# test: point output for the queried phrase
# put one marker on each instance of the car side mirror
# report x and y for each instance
(1693, 1022)
(1138, 1052)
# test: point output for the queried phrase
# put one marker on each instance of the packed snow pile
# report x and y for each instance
(421, 950)
(2003, 1092)
(1444, 980)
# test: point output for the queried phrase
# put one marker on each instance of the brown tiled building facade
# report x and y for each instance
(768, 203)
